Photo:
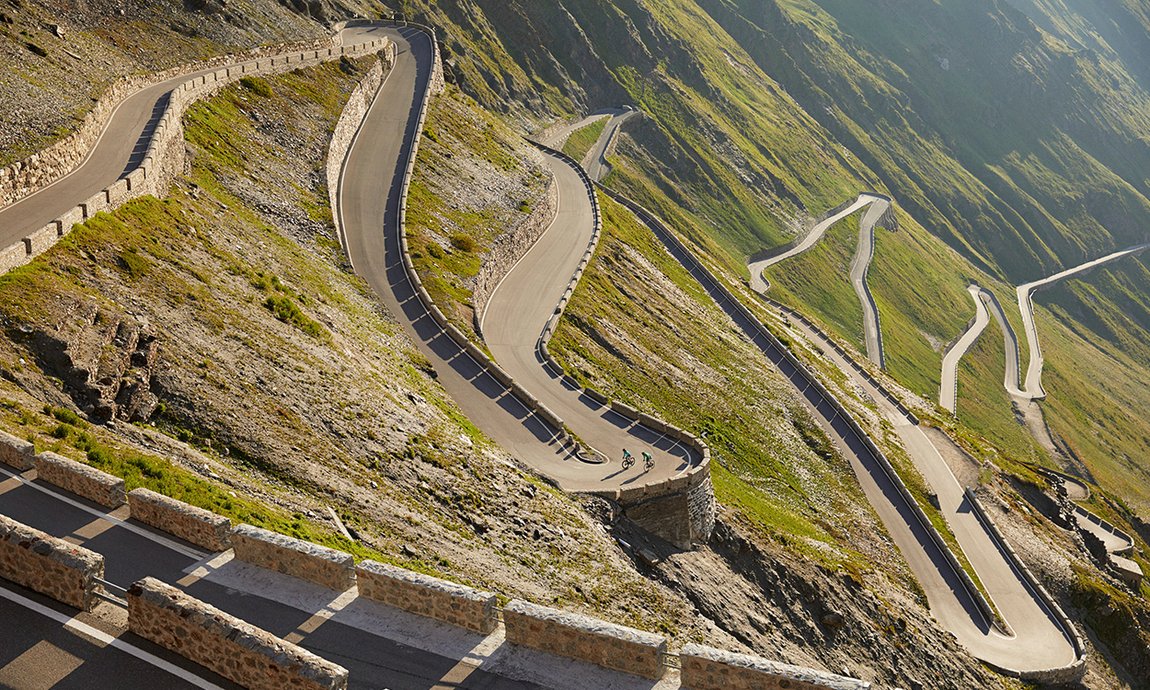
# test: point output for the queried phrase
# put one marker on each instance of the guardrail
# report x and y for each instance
(766, 340)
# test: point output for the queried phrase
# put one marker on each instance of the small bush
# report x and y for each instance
(257, 86)
(286, 310)
(463, 242)
(524, 207)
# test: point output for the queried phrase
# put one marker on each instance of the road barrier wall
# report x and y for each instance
(749, 322)
(165, 157)
(16, 452)
(1062, 674)
(706, 668)
(427, 596)
(235, 649)
(509, 247)
(196, 525)
(80, 479)
(346, 128)
(50, 566)
(587, 639)
(307, 561)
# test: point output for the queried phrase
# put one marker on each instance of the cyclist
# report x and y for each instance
(628, 459)
(648, 461)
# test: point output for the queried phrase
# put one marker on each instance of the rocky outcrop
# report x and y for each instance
(105, 361)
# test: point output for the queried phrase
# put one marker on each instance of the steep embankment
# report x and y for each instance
(266, 382)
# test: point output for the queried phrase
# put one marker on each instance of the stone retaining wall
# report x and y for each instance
(295, 557)
(706, 668)
(427, 596)
(509, 247)
(80, 479)
(236, 650)
(165, 157)
(42, 168)
(346, 128)
(587, 639)
(16, 452)
(50, 566)
(196, 525)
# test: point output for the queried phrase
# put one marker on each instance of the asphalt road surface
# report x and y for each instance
(860, 263)
(133, 551)
(119, 149)
(1038, 641)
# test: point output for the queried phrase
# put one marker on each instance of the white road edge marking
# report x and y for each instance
(163, 541)
(106, 639)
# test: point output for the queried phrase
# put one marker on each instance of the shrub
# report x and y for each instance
(257, 86)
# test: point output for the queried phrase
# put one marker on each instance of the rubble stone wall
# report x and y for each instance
(427, 596)
(48, 565)
(196, 525)
(236, 650)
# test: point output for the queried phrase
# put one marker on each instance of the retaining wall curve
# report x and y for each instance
(165, 155)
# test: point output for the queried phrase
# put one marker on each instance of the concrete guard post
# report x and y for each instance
(427, 596)
(706, 668)
(584, 638)
(290, 556)
(48, 565)
(233, 648)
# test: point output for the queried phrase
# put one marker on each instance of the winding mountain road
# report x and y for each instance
(369, 202)
(860, 264)
(1036, 640)
(1024, 393)
(985, 305)
(117, 151)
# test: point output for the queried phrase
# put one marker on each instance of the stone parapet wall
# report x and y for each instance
(283, 554)
(706, 668)
(509, 247)
(42, 168)
(16, 452)
(427, 596)
(50, 566)
(165, 157)
(238, 651)
(80, 479)
(350, 119)
(196, 525)
(587, 639)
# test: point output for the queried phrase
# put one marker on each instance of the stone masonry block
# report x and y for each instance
(233, 648)
(13, 255)
(16, 452)
(48, 565)
(82, 480)
(587, 639)
(312, 562)
(69, 219)
(427, 596)
(706, 668)
(196, 525)
(96, 203)
(118, 192)
(38, 242)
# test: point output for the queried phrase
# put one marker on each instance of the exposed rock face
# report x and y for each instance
(105, 360)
